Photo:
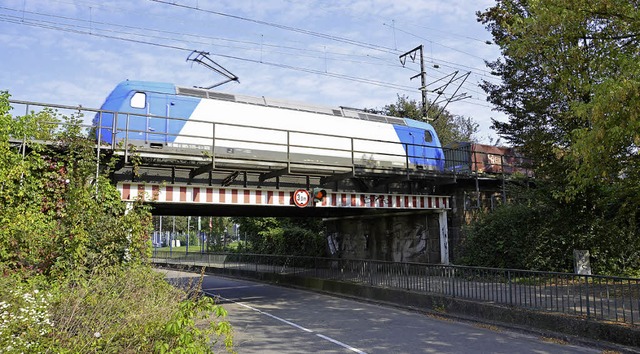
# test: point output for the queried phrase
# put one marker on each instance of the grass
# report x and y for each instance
(230, 247)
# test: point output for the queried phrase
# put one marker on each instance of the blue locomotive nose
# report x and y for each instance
(137, 111)
(421, 144)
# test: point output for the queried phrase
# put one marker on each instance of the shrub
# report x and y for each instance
(116, 309)
(73, 277)
(24, 317)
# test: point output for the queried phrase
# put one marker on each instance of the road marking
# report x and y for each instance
(334, 341)
(340, 344)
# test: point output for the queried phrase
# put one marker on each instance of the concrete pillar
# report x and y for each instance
(444, 237)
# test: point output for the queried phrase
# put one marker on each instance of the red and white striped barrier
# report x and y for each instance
(184, 194)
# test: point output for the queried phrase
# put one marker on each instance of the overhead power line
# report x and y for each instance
(94, 32)
(288, 28)
(94, 28)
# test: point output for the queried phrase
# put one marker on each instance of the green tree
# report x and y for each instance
(537, 231)
(73, 271)
(55, 216)
(570, 87)
(284, 236)
(450, 127)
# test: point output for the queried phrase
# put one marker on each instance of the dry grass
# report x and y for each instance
(554, 340)
(487, 326)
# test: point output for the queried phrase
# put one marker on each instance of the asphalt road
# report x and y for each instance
(271, 319)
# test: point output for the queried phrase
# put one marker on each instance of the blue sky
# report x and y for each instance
(335, 53)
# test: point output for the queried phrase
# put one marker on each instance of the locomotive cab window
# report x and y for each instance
(138, 100)
(428, 138)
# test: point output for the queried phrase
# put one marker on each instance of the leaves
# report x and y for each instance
(52, 218)
(450, 128)
(569, 84)
(284, 236)
(67, 228)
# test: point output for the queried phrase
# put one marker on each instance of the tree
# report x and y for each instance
(72, 254)
(570, 86)
(571, 89)
(284, 236)
(51, 218)
(450, 128)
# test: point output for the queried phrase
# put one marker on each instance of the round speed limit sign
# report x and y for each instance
(301, 198)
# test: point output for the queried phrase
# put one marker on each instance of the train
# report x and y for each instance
(165, 116)
(464, 157)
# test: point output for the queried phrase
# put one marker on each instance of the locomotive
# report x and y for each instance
(165, 116)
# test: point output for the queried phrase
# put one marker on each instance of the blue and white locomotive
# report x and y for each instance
(166, 116)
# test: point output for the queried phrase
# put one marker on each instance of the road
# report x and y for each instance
(270, 319)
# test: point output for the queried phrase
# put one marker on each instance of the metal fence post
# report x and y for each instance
(586, 278)
(509, 287)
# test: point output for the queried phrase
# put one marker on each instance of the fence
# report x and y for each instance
(606, 298)
(138, 134)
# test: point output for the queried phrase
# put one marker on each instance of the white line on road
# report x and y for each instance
(346, 346)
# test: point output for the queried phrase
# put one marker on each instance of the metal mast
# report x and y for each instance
(423, 75)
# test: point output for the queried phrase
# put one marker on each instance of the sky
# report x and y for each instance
(329, 53)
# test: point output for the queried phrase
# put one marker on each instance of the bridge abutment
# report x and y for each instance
(397, 237)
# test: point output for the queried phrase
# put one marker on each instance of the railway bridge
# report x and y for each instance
(397, 213)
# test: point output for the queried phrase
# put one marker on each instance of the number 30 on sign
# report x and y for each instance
(301, 198)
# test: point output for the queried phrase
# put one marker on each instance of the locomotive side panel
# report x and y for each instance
(254, 129)
(154, 115)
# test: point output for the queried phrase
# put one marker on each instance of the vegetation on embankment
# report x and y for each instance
(74, 276)
(570, 87)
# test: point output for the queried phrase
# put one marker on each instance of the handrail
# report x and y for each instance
(354, 151)
(597, 297)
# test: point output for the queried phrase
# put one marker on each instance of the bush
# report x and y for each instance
(73, 277)
(540, 232)
(24, 316)
(117, 309)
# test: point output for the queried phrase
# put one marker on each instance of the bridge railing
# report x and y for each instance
(605, 298)
(131, 133)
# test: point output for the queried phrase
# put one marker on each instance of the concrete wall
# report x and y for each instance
(415, 237)
(399, 238)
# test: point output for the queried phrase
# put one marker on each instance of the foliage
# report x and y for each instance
(184, 333)
(55, 215)
(73, 271)
(219, 229)
(284, 236)
(187, 229)
(536, 231)
(117, 310)
(450, 127)
(570, 87)
(24, 317)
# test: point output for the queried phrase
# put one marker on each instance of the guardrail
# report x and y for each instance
(130, 133)
(605, 298)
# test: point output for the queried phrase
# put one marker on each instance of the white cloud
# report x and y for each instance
(43, 60)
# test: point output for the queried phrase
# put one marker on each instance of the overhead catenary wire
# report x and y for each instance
(288, 28)
(456, 66)
(94, 29)
(87, 31)
(485, 74)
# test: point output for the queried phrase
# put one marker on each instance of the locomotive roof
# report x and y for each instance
(276, 103)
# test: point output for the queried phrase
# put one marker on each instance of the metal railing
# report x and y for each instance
(605, 298)
(130, 133)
